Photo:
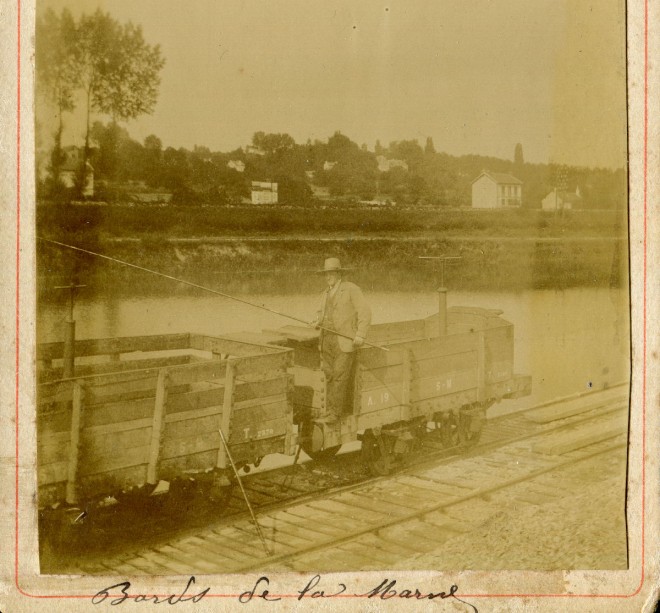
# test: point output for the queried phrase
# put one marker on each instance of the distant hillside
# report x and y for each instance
(403, 173)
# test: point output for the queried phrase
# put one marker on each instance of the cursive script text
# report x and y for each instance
(110, 594)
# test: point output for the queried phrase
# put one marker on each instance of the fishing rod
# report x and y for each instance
(202, 287)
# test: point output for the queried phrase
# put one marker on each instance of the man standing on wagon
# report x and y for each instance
(343, 310)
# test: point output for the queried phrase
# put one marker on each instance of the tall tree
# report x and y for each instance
(119, 71)
(429, 148)
(518, 155)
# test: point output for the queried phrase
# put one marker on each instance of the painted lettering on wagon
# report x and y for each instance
(266, 432)
(443, 384)
(382, 398)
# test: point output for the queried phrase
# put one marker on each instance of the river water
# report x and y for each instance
(569, 341)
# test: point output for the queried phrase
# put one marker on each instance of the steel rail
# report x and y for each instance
(437, 458)
(417, 514)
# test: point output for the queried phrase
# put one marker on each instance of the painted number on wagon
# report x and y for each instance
(260, 433)
(440, 385)
(382, 399)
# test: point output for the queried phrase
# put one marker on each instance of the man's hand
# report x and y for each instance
(358, 341)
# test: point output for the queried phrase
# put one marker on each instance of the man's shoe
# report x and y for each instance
(327, 418)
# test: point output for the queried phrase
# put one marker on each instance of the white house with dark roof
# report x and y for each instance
(558, 200)
(496, 190)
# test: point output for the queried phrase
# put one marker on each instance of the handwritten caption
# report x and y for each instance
(261, 590)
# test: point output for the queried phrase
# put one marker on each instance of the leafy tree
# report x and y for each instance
(119, 71)
(153, 157)
(408, 150)
(272, 143)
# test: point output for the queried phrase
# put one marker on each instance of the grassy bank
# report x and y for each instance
(113, 221)
(276, 248)
(287, 265)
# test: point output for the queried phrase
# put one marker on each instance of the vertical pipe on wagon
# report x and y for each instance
(442, 311)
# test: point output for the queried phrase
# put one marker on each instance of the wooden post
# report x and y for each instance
(157, 427)
(481, 365)
(227, 406)
(407, 380)
(74, 444)
(70, 333)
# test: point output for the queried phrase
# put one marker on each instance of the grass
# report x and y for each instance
(80, 221)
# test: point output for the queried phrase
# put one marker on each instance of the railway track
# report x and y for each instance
(332, 509)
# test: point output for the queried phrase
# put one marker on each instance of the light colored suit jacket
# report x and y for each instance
(351, 315)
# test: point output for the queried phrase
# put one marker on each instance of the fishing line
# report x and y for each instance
(202, 287)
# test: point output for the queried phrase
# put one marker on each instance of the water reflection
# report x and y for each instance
(570, 341)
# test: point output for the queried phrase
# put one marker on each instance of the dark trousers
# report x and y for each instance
(337, 365)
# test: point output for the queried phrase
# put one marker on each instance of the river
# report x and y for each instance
(570, 341)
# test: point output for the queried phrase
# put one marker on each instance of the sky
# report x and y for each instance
(478, 76)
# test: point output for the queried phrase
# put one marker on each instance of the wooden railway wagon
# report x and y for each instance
(447, 369)
(145, 411)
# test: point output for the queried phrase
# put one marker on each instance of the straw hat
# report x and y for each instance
(332, 265)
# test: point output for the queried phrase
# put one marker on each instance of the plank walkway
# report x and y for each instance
(375, 525)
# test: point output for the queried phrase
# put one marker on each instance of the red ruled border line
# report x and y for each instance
(502, 595)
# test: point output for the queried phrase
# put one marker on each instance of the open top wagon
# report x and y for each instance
(146, 414)
(146, 410)
(447, 369)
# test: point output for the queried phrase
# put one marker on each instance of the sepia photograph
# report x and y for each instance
(330, 287)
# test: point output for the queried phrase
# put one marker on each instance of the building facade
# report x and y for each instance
(264, 192)
(558, 200)
(491, 190)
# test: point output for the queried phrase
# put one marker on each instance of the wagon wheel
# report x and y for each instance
(421, 433)
(65, 529)
(469, 434)
(220, 495)
(311, 440)
(449, 432)
(375, 454)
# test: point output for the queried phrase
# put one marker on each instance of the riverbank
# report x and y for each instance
(287, 264)
(239, 248)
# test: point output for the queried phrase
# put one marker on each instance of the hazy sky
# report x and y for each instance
(477, 76)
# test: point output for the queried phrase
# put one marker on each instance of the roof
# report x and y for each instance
(499, 177)
(570, 197)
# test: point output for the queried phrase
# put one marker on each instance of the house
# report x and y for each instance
(70, 169)
(319, 191)
(254, 150)
(384, 165)
(329, 165)
(237, 165)
(561, 200)
(494, 190)
(264, 192)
